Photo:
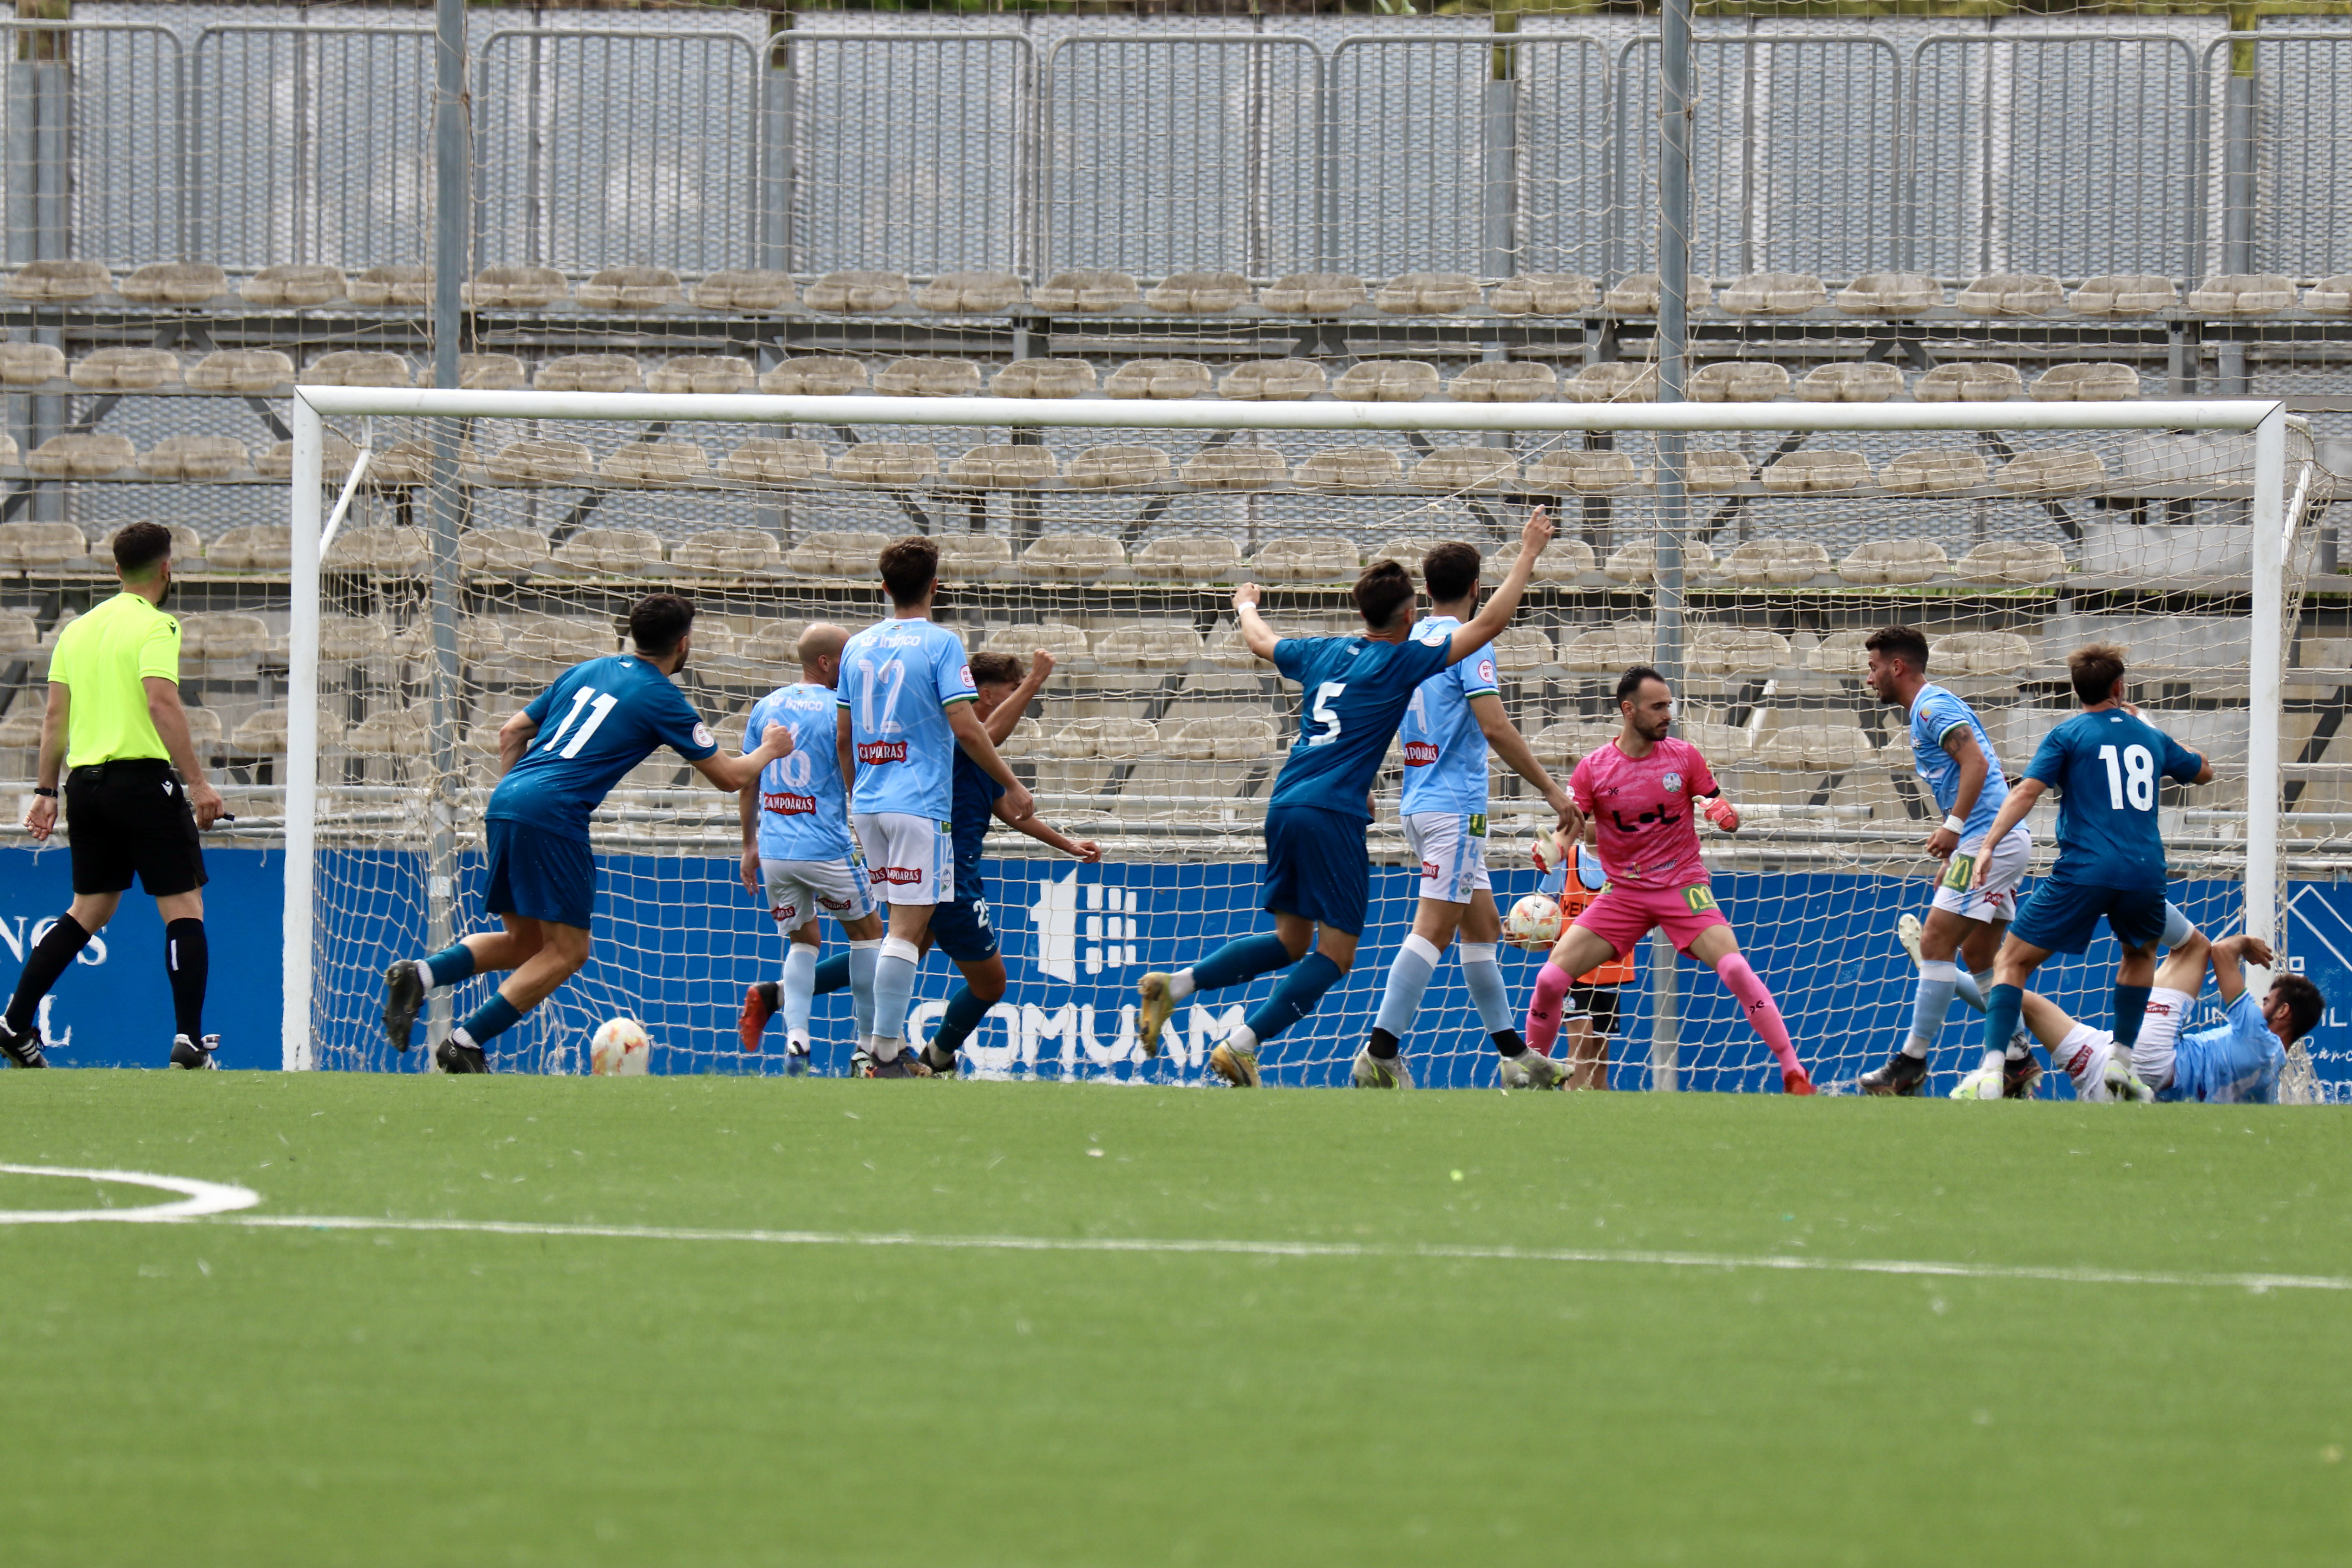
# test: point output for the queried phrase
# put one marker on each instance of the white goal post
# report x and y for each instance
(320, 500)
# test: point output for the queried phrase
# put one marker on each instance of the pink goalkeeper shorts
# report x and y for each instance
(1624, 916)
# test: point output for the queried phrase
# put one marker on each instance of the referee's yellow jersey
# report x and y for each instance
(104, 659)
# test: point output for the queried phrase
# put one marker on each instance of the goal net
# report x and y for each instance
(482, 542)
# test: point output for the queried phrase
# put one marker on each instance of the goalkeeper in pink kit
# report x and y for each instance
(1644, 792)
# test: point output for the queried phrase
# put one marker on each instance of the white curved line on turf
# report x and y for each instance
(201, 1198)
(1336, 1250)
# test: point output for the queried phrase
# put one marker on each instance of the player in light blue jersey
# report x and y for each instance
(561, 755)
(1353, 690)
(906, 700)
(798, 855)
(1454, 716)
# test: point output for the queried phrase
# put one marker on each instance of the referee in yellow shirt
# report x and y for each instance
(135, 797)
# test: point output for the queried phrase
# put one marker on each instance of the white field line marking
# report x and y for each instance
(202, 1197)
(1340, 1250)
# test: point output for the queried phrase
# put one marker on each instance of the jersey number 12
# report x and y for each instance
(2135, 779)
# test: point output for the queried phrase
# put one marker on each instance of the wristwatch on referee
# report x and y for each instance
(48, 794)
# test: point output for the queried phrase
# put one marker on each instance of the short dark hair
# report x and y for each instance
(2094, 670)
(910, 568)
(138, 545)
(2305, 1005)
(1383, 590)
(1906, 643)
(1629, 683)
(658, 621)
(1450, 571)
(996, 670)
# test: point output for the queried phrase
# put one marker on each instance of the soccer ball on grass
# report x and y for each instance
(621, 1048)
(1533, 923)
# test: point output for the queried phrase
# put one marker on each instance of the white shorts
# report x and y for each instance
(2081, 1050)
(908, 859)
(801, 891)
(1996, 902)
(1452, 849)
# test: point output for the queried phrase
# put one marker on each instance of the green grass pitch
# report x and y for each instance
(213, 1392)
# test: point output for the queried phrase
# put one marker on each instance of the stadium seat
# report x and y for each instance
(1504, 380)
(1149, 645)
(630, 289)
(1199, 293)
(1774, 294)
(265, 547)
(216, 637)
(60, 280)
(1863, 382)
(9, 455)
(484, 373)
(1776, 563)
(1120, 467)
(1562, 560)
(1813, 473)
(854, 555)
(1090, 289)
(1004, 468)
(2010, 294)
(502, 552)
(1897, 561)
(1043, 378)
(187, 548)
(894, 463)
(411, 463)
(2052, 471)
(736, 288)
(356, 367)
(1940, 470)
(1073, 557)
(41, 546)
(1582, 470)
(1278, 380)
(970, 293)
(2124, 294)
(541, 646)
(81, 456)
(390, 552)
(927, 378)
(1636, 294)
(1350, 469)
(1387, 381)
(1454, 468)
(770, 644)
(1113, 739)
(30, 364)
(1608, 650)
(335, 459)
(174, 283)
(735, 551)
(20, 730)
(1519, 649)
(2085, 384)
(1890, 294)
(1066, 643)
(1612, 382)
(702, 373)
(1840, 653)
(2243, 294)
(1638, 562)
(1304, 560)
(1978, 653)
(1226, 649)
(240, 369)
(1406, 550)
(844, 293)
(543, 462)
(1312, 294)
(204, 731)
(589, 373)
(19, 632)
(193, 457)
(1195, 558)
(1234, 467)
(1739, 381)
(393, 287)
(1737, 651)
(815, 376)
(1427, 294)
(1968, 380)
(2011, 561)
(1545, 294)
(1222, 738)
(262, 733)
(2330, 296)
(126, 370)
(774, 460)
(1160, 378)
(1562, 746)
(347, 639)
(1027, 739)
(968, 557)
(514, 288)
(610, 551)
(1816, 748)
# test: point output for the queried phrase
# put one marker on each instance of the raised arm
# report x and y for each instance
(1036, 827)
(171, 722)
(1488, 623)
(972, 736)
(2230, 954)
(732, 772)
(1001, 723)
(1520, 758)
(2022, 796)
(1257, 636)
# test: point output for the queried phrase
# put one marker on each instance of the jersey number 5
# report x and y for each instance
(1321, 712)
(2135, 779)
(598, 705)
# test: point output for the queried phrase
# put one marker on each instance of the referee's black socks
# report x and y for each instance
(43, 966)
(187, 960)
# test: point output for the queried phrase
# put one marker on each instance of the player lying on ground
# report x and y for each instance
(1353, 690)
(608, 715)
(2104, 762)
(1572, 879)
(1644, 792)
(1454, 716)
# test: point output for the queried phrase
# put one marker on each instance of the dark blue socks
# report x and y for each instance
(2001, 1011)
(451, 964)
(1243, 959)
(1295, 998)
(964, 1016)
(488, 1021)
(832, 974)
(2131, 1005)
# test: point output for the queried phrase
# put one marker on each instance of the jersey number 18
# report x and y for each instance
(2136, 778)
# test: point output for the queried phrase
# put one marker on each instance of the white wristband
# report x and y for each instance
(1953, 824)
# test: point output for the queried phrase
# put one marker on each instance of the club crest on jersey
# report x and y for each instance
(1419, 755)
(1671, 783)
(881, 750)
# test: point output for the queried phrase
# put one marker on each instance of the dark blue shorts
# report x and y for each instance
(540, 875)
(961, 930)
(2063, 916)
(1316, 865)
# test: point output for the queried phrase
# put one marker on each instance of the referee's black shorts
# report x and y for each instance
(131, 816)
(1597, 1002)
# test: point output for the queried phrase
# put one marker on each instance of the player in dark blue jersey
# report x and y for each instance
(561, 755)
(2104, 762)
(1353, 690)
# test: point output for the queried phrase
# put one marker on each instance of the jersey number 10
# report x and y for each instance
(2136, 778)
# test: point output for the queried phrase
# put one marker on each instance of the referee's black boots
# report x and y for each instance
(187, 1053)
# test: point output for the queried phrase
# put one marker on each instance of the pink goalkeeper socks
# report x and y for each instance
(1543, 1008)
(1762, 1011)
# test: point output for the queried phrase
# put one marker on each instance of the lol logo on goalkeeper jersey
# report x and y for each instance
(1101, 936)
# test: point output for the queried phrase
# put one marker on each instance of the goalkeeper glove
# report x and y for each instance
(1720, 812)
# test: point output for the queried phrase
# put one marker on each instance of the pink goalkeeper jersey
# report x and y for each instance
(1648, 824)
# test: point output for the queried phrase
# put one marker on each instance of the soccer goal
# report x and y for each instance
(453, 551)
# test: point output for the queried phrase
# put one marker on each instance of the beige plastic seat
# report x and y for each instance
(1890, 294)
(1466, 468)
(291, 284)
(1073, 557)
(204, 731)
(1737, 651)
(740, 288)
(1710, 470)
(1816, 748)
(1165, 645)
(2124, 294)
(393, 288)
(60, 280)
(2087, 384)
(1774, 294)
(1613, 383)
(1427, 293)
(265, 547)
(970, 293)
(126, 370)
(1842, 653)
(1939, 470)
(193, 457)
(40, 546)
(541, 645)
(1979, 653)
(1968, 380)
(927, 378)
(1043, 378)
(502, 552)
(21, 730)
(411, 463)
(1198, 558)
(1504, 381)
(1562, 560)
(1608, 650)
(1776, 561)
(630, 289)
(1545, 294)
(1350, 469)
(81, 456)
(1387, 381)
(1222, 738)
(1227, 651)
(701, 372)
(2011, 561)
(1110, 738)
(1234, 467)
(1573, 469)
(1120, 467)
(1866, 381)
(391, 552)
(1637, 294)
(540, 461)
(1275, 381)
(739, 552)
(896, 463)
(1312, 294)
(589, 373)
(516, 288)
(2051, 470)
(30, 364)
(1304, 560)
(772, 460)
(1407, 550)
(1004, 468)
(1802, 473)
(1564, 745)
(19, 632)
(1637, 562)
(2330, 296)
(968, 557)
(843, 293)
(1091, 289)
(655, 463)
(838, 555)
(1199, 293)
(1739, 381)
(356, 367)
(216, 637)
(262, 733)
(1165, 379)
(1900, 560)
(618, 552)
(9, 455)
(241, 370)
(1066, 643)
(815, 376)
(2243, 294)
(2010, 294)
(174, 283)
(484, 373)
(1520, 649)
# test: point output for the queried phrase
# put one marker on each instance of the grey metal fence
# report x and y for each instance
(1564, 149)
(2303, 149)
(94, 162)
